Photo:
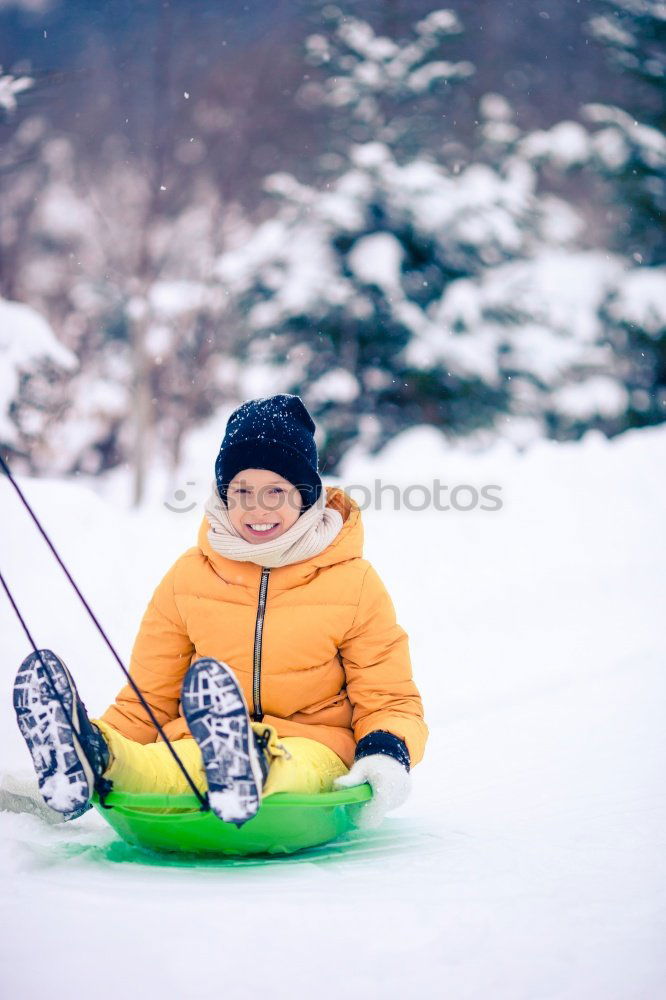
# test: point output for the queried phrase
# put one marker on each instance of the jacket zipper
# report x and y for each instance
(257, 713)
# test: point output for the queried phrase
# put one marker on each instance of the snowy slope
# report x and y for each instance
(528, 862)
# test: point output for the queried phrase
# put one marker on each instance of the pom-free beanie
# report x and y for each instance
(274, 433)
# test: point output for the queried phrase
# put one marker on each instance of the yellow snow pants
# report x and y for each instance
(297, 765)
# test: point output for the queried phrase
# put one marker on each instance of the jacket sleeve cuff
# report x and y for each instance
(381, 741)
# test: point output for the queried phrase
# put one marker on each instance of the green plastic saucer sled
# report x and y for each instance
(285, 823)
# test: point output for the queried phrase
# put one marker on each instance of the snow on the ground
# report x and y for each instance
(528, 862)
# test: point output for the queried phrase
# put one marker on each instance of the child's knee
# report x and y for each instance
(309, 767)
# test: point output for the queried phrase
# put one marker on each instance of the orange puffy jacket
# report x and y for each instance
(324, 658)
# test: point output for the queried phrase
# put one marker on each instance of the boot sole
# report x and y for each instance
(216, 712)
(64, 775)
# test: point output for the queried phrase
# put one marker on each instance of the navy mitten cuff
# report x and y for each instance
(381, 741)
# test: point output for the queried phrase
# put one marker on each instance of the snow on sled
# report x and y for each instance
(284, 824)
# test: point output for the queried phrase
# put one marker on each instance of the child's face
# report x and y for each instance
(259, 496)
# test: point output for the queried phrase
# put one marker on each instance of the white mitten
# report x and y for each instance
(390, 783)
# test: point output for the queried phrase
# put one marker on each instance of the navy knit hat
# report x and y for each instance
(275, 433)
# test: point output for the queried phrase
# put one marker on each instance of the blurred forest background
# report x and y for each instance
(407, 214)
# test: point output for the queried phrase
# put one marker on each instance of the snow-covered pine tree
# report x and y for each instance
(630, 145)
(630, 148)
(412, 291)
(124, 280)
(626, 148)
(383, 90)
(118, 260)
(32, 361)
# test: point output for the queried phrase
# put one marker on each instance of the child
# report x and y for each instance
(269, 654)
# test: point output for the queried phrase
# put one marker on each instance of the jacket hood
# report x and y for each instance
(347, 544)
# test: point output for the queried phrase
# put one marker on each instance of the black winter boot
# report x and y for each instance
(68, 752)
(235, 758)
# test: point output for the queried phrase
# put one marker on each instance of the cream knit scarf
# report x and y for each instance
(308, 536)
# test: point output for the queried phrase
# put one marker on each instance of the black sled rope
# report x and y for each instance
(203, 799)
